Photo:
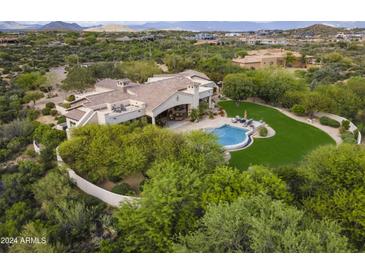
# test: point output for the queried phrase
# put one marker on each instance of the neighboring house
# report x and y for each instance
(267, 57)
(162, 96)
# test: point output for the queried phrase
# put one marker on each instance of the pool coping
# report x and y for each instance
(239, 146)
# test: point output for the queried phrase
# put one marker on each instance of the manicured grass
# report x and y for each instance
(293, 139)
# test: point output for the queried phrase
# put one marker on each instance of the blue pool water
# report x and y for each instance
(228, 135)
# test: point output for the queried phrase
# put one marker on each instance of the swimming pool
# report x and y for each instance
(231, 137)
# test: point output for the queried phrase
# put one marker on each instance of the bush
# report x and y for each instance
(348, 137)
(123, 189)
(46, 111)
(50, 105)
(345, 124)
(66, 105)
(53, 112)
(210, 114)
(194, 115)
(326, 121)
(71, 98)
(263, 131)
(61, 119)
(298, 110)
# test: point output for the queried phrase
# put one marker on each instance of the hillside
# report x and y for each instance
(110, 28)
(63, 26)
(317, 29)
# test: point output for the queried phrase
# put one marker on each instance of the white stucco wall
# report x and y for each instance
(114, 118)
(177, 99)
(106, 196)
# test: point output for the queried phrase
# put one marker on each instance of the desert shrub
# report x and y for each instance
(348, 137)
(345, 124)
(53, 112)
(263, 131)
(194, 115)
(324, 120)
(50, 105)
(61, 119)
(298, 110)
(123, 189)
(46, 111)
(70, 98)
(66, 105)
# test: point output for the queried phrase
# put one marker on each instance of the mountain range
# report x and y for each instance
(180, 25)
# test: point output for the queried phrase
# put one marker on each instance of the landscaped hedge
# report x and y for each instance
(327, 121)
(263, 132)
(123, 189)
(298, 110)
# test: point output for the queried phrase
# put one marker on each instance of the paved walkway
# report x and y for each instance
(332, 132)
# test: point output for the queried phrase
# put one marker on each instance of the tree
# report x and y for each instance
(170, 205)
(30, 80)
(216, 67)
(314, 102)
(33, 96)
(39, 231)
(226, 184)
(78, 78)
(138, 71)
(333, 187)
(259, 224)
(239, 86)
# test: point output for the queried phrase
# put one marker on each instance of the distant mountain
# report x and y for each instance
(12, 25)
(62, 26)
(317, 29)
(233, 26)
(241, 25)
(110, 28)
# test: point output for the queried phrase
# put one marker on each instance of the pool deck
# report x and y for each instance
(218, 121)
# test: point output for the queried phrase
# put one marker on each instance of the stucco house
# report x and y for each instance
(262, 58)
(118, 101)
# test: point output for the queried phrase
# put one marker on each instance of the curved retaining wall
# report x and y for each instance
(106, 196)
(340, 119)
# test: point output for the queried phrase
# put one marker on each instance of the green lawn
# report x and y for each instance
(292, 141)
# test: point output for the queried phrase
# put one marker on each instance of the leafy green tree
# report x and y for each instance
(217, 67)
(36, 230)
(78, 78)
(239, 86)
(32, 96)
(333, 187)
(314, 102)
(170, 205)
(138, 71)
(30, 80)
(259, 224)
(226, 184)
(15, 217)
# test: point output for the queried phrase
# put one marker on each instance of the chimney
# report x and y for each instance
(195, 88)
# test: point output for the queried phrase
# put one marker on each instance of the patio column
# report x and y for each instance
(210, 102)
(153, 120)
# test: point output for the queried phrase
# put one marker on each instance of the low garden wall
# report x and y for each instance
(340, 119)
(36, 147)
(106, 196)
